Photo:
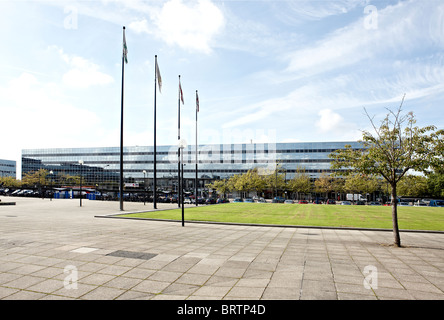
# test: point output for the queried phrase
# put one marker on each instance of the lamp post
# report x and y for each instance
(80, 181)
(144, 186)
(182, 145)
(50, 191)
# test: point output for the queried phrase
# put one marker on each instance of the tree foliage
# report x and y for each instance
(395, 147)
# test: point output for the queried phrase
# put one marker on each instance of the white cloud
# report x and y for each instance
(333, 124)
(191, 27)
(316, 10)
(139, 26)
(399, 29)
(82, 73)
(328, 120)
(37, 114)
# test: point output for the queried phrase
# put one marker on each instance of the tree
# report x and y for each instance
(324, 184)
(35, 178)
(9, 182)
(301, 183)
(255, 181)
(413, 186)
(396, 147)
(221, 186)
(275, 181)
(435, 184)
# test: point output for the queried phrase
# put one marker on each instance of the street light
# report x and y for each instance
(50, 191)
(182, 145)
(80, 181)
(144, 186)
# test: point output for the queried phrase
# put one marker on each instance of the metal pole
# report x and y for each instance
(181, 198)
(155, 150)
(178, 150)
(121, 133)
(196, 183)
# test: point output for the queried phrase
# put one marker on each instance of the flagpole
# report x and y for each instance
(179, 191)
(155, 145)
(121, 127)
(196, 183)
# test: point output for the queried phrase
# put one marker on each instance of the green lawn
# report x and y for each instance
(416, 218)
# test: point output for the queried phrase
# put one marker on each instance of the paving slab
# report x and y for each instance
(51, 250)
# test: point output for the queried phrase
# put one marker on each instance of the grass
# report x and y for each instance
(411, 218)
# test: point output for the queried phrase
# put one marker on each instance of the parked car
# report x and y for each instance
(346, 203)
(187, 201)
(420, 204)
(360, 203)
(436, 203)
(317, 201)
(261, 200)
(249, 200)
(374, 203)
(331, 201)
(210, 201)
(278, 200)
(238, 200)
(404, 204)
(303, 202)
(288, 201)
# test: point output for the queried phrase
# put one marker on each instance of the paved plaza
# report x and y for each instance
(59, 250)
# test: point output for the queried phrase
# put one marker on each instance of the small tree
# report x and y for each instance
(324, 184)
(301, 183)
(395, 148)
(413, 186)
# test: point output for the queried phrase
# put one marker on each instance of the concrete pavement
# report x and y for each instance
(58, 250)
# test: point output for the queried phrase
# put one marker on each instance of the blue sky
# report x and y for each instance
(266, 71)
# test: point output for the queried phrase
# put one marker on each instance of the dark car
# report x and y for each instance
(210, 201)
(330, 201)
(278, 200)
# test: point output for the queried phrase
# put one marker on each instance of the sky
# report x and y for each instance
(265, 71)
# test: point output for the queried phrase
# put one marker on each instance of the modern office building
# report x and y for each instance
(7, 168)
(100, 166)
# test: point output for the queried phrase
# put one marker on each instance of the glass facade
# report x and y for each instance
(101, 165)
(7, 168)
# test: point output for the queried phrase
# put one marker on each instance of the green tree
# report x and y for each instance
(435, 184)
(396, 147)
(255, 181)
(9, 182)
(414, 186)
(221, 186)
(301, 183)
(275, 181)
(35, 178)
(324, 184)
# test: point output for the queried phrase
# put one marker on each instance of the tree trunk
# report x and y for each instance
(394, 205)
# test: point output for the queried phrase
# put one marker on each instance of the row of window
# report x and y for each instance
(174, 152)
(192, 161)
